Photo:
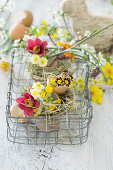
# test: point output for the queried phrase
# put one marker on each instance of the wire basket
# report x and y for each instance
(67, 128)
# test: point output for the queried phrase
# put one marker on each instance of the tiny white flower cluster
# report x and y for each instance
(55, 14)
(7, 5)
(61, 34)
(2, 22)
(3, 35)
(16, 43)
(102, 61)
(27, 37)
(87, 33)
(44, 37)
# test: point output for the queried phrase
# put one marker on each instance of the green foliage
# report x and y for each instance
(33, 31)
(111, 2)
(107, 58)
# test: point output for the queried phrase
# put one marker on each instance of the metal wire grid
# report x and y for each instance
(73, 127)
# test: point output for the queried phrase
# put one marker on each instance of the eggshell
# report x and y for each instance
(24, 17)
(17, 112)
(17, 31)
(60, 89)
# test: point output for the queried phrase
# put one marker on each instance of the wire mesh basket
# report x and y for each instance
(67, 128)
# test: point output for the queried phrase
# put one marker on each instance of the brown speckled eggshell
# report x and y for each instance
(17, 31)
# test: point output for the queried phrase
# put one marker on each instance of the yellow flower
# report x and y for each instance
(73, 85)
(108, 70)
(39, 32)
(59, 101)
(28, 102)
(35, 59)
(52, 107)
(67, 54)
(34, 93)
(36, 114)
(65, 45)
(80, 86)
(57, 29)
(43, 22)
(4, 65)
(42, 94)
(96, 93)
(99, 101)
(43, 62)
(52, 81)
(66, 32)
(48, 89)
(80, 80)
(34, 110)
(58, 43)
(38, 86)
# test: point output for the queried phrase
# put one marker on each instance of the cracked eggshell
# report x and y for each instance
(60, 89)
(17, 31)
(16, 111)
(24, 17)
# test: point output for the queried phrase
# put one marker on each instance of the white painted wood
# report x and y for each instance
(96, 154)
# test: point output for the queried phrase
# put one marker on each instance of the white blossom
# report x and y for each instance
(16, 43)
(2, 22)
(80, 37)
(88, 47)
(3, 35)
(10, 5)
(27, 37)
(87, 34)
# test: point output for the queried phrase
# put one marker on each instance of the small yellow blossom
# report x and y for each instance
(38, 86)
(53, 36)
(36, 114)
(96, 93)
(66, 32)
(48, 89)
(43, 62)
(80, 86)
(42, 94)
(35, 59)
(4, 66)
(52, 107)
(52, 81)
(57, 29)
(65, 45)
(108, 71)
(43, 22)
(59, 101)
(80, 80)
(67, 54)
(34, 110)
(58, 43)
(34, 93)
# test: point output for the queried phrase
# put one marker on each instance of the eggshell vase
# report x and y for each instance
(24, 17)
(17, 112)
(17, 31)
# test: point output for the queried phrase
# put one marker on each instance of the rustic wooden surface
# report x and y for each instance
(96, 154)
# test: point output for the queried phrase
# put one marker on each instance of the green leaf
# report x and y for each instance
(111, 2)
(106, 58)
(52, 30)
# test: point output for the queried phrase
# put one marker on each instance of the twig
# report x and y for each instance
(2, 9)
(52, 40)
(66, 26)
